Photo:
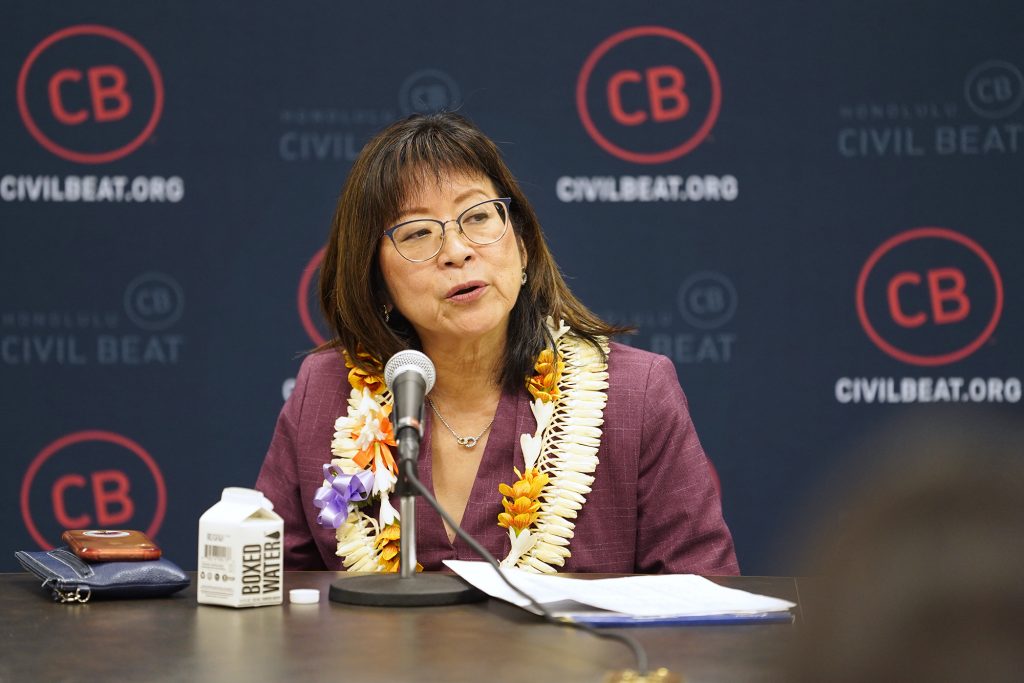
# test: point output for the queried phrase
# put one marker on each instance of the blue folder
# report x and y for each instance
(613, 620)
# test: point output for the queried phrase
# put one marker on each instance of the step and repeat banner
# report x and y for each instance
(814, 211)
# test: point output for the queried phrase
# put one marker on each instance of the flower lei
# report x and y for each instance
(560, 458)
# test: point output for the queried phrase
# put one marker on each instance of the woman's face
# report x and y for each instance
(467, 291)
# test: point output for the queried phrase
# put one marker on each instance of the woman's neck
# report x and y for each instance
(467, 371)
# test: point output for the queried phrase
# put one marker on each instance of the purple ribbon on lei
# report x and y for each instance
(335, 498)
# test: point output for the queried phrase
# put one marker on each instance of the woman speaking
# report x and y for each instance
(556, 448)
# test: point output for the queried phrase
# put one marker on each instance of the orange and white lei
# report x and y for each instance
(539, 508)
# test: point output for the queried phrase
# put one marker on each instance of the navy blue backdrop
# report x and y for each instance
(813, 209)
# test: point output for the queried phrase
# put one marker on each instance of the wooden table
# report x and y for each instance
(175, 639)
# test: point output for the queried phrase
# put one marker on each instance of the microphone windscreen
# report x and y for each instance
(410, 359)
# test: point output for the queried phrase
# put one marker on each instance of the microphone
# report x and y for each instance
(410, 376)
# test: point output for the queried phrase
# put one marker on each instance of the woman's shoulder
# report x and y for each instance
(638, 374)
(322, 366)
(624, 359)
(321, 387)
(327, 359)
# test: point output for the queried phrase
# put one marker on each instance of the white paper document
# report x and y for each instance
(660, 597)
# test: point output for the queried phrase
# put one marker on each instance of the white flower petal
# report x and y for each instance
(388, 514)
(572, 486)
(563, 511)
(549, 557)
(564, 494)
(520, 544)
(534, 563)
(556, 531)
(383, 479)
(567, 475)
(555, 540)
(542, 413)
(531, 450)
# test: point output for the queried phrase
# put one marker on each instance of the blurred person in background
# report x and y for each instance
(918, 573)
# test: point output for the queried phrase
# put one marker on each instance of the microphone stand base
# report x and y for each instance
(391, 590)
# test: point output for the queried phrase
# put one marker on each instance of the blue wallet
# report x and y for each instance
(74, 580)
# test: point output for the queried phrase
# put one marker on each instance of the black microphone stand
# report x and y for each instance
(408, 588)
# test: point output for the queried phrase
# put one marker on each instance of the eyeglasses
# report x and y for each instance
(422, 239)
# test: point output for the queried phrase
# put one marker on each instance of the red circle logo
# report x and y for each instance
(95, 114)
(304, 295)
(929, 296)
(110, 489)
(648, 94)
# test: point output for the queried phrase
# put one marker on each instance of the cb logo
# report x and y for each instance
(91, 478)
(309, 297)
(707, 300)
(648, 94)
(929, 296)
(154, 301)
(90, 94)
(994, 89)
(428, 91)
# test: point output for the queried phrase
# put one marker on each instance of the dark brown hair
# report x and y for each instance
(389, 168)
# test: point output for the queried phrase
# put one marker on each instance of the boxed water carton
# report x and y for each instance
(241, 551)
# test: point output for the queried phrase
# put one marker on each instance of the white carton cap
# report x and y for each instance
(237, 494)
(303, 596)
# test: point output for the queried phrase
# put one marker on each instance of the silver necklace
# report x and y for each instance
(465, 441)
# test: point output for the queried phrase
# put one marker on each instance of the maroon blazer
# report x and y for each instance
(653, 507)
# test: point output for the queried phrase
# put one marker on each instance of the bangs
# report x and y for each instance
(425, 158)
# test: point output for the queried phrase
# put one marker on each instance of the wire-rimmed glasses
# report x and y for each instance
(422, 239)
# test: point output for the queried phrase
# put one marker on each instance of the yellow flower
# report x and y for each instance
(521, 500)
(388, 541)
(544, 385)
(360, 379)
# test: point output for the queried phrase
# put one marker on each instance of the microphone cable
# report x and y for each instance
(639, 654)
